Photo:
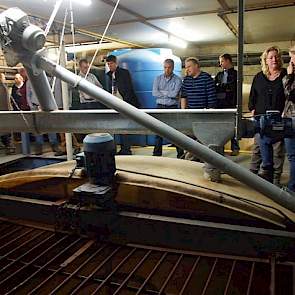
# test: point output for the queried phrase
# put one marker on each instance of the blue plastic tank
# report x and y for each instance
(144, 66)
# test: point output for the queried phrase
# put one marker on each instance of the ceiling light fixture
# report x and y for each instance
(82, 2)
(177, 41)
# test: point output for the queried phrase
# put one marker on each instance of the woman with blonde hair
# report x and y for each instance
(289, 112)
(267, 93)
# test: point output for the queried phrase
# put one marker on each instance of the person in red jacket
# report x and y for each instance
(19, 94)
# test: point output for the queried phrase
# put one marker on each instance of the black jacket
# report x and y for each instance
(125, 86)
(4, 97)
(266, 95)
(226, 92)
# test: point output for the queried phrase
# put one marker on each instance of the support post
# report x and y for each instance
(241, 10)
(65, 102)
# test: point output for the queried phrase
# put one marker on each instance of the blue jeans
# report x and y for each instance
(267, 152)
(290, 148)
(267, 145)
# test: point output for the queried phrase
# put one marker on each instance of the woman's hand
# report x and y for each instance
(290, 68)
(2, 78)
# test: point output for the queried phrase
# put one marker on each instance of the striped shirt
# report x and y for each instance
(199, 92)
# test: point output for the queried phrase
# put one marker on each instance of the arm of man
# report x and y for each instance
(211, 93)
(174, 92)
(217, 79)
(183, 95)
(183, 103)
(95, 81)
(232, 88)
(129, 93)
(156, 88)
(83, 96)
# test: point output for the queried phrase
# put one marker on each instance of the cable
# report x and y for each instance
(73, 171)
(60, 45)
(203, 187)
(21, 112)
(102, 37)
(52, 16)
(73, 35)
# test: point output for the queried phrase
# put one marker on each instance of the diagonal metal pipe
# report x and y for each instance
(24, 49)
(276, 194)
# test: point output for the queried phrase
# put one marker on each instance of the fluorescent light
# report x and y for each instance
(83, 2)
(177, 42)
(94, 46)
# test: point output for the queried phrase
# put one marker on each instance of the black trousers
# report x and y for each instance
(159, 140)
(92, 105)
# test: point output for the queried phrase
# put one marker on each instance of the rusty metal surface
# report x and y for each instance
(39, 261)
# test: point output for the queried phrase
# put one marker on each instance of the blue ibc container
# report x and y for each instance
(144, 66)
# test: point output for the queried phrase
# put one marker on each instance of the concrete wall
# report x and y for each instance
(208, 49)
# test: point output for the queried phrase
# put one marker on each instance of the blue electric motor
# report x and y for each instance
(99, 151)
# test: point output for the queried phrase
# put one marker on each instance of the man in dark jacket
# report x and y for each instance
(226, 90)
(120, 85)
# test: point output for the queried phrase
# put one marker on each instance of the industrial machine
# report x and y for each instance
(135, 224)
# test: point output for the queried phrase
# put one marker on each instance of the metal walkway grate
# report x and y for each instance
(35, 261)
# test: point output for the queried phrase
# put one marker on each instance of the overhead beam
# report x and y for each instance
(140, 18)
(174, 15)
(225, 19)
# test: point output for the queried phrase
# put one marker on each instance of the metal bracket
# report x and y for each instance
(215, 136)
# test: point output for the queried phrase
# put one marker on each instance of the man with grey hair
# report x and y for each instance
(166, 90)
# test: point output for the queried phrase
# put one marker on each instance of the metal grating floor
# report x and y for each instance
(38, 261)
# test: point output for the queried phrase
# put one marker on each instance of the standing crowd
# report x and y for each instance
(273, 88)
(197, 90)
